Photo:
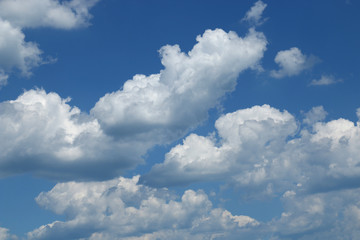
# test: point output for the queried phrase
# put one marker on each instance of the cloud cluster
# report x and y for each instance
(50, 138)
(264, 149)
(47, 136)
(164, 106)
(20, 55)
(123, 209)
(292, 62)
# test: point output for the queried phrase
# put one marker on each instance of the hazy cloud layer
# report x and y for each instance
(292, 62)
(122, 208)
(50, 138)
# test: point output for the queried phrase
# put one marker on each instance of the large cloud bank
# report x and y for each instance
(51, 138)
(123, 209)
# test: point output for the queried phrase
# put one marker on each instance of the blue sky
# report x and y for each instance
(179, 119)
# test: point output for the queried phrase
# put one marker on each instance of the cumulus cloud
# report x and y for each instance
(50, 138)
(331, 215)
(5, 234)
(316, 114)
(248, 139)
(254, 15)
(325, 80)
(15, 52)
(292, 62)
(47, 13)
(164, 106)
(123, 209)
(18, 54)
(47, 136)
(261, 149)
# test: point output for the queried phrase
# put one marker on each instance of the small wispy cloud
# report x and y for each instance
(254, 15)
(325, 80)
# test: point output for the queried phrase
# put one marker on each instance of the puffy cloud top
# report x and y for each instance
(164, 106)
(292, 62)
(47, 13)
(122, 208)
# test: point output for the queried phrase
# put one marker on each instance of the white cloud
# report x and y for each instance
(50, 138)
(15, 53)
(316, 114)
(292, 62)
(3, 78)
(248, 140)
(254, 15)
(47, 13)
(123, 209)
(5, 234)
(258, 151)
(47, 136)
(325, 80)
(164, 106)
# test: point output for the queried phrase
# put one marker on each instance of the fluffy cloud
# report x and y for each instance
(15, 52)
(47, 136)
(123, 209)
(47, 13)
(248, 140)
(316, 114)
(50, 138)
(325, 80)
(331, 215)
(254, 15)
(292, 62)
(5, 235)
(261, 149)
(164, 106)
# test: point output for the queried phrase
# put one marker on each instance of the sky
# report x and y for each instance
(185, 119)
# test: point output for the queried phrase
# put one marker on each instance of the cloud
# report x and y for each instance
(15, 52)
(325, 80)
(292, 62)
(123, 209)
(52, 139)
(264, 151)
(165, 106)
(316, 114)
(254, 15)
(248, 139)
(47, 13)
(5, 235)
